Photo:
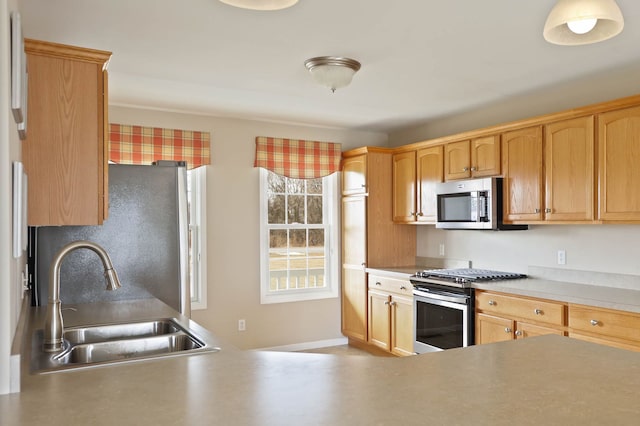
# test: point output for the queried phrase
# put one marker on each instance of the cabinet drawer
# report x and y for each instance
(624, 325)
(541, 311)
(616, 344)
(393, 285)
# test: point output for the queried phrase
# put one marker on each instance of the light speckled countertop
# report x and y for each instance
(540, 380)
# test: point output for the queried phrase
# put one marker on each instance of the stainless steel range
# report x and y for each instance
(443, 306)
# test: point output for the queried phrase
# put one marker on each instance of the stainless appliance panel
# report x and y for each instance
(146, 236)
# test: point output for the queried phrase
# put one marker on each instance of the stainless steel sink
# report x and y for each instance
(98, 345)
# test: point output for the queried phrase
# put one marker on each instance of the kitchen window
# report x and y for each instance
(197, 198)
(298, 238)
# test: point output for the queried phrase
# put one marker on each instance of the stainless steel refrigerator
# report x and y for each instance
(146, 236)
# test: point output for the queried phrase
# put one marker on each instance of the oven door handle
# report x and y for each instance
(462, 299)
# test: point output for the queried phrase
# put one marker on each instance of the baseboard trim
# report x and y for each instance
(307, 345)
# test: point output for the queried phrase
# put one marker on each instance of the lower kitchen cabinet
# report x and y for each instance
(501, 317)
(390, 317)
(605, 326)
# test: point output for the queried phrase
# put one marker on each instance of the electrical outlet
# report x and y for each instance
(441, 249)
(242, 325)
(562, 257)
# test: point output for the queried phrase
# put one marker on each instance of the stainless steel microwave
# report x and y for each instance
(472, 204)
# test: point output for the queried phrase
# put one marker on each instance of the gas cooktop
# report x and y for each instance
(463, 276)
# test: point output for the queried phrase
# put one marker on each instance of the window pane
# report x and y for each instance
(314, 186)
(275, 183)
(295, 186)
(295, 209)
(314, 209)
(316, 239)
(298, 239)
(276, 208)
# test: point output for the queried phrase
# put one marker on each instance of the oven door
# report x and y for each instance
(442, 321)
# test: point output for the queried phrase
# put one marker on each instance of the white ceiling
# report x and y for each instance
(421, 59)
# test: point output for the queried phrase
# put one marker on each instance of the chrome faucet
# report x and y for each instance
(53, 327)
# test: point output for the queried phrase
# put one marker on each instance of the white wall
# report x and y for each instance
(233, 230)
(600, 248)
(10, 296)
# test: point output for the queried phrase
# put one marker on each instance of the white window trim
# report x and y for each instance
(331, 243)
(199, 233)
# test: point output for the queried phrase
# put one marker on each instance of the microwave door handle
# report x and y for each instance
(474, 205)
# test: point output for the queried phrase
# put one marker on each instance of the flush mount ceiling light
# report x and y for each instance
(574, 22)
(333, 72)
(261, 4)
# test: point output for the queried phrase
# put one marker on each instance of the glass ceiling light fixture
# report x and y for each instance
(261, 4)
(333, 72)
(575, 22)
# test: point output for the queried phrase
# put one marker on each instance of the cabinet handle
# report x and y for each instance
(492, 302)
(537, 311)
(594, 322)
(507, 330)
(547, 210)
(378, 283)
(518, 333)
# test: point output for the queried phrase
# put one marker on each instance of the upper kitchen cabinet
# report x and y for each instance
(65, 154)
(415, 174)
(523, 179)
(569, 165)
(404, 187)
(354, 175)
(429, 170)
(619, 173)
(477, 157)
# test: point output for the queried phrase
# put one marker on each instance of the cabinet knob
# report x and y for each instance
(402, 287)
(473, 169)
(492, 302)
(420, 214)
(364, 185)
(392, 303)
(412, 213)
(547, 210)
(378, 283)
(594, 322)
(537, 311)
(465, 169)
(518, 333)
(386, 302)
(536, 211)
(507, 330)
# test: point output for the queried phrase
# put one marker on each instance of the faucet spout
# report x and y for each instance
(53, 326)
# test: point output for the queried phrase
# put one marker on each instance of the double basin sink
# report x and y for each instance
(111, 343)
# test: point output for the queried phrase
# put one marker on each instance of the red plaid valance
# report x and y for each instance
(296, 158)
(144, 145)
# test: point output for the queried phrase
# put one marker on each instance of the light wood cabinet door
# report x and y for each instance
(64, 153)
(402, 325)
(354, 257)
(569, 165)
(354, 175)
(429, 170)
(628, 345)
(457, 160)
(618, 153)
(523, 179)
(485, 156)
(404, 187)
(491, 329)
(379, 319)
(524, 330)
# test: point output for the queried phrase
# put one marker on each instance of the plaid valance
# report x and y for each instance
(144, 145)
(297, 158)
